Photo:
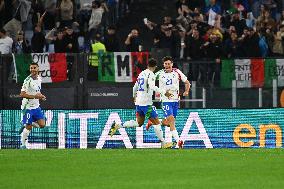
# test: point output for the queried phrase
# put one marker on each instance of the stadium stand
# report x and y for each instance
(199, 35)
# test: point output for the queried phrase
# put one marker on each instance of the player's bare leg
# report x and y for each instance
(38, 124)
(131, 123)
(163, 121)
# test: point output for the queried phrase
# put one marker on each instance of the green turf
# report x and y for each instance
(135, 169)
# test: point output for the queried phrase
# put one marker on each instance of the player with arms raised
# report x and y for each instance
(142, 94)
(32, 114)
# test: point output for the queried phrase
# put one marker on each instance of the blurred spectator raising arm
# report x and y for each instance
(6, 42)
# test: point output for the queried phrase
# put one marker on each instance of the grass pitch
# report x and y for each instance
(137, 168)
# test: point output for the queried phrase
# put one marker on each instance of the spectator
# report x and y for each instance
(217, 26)
(255, 8)
(21, 11)
(263, 46)
(247, 4)
(271, 6)
(6, 42)
(169, 40)
(269, 38)
(71, 41)
(195, 53)
(181, 43)
(197, 15)
(213, 6)
(112, 11)
(49, 19)
(85, 14)
(57, 40)
(266, 21)
(67, 13)
(194, 44)
(111, 40)
(250, 20)
(238, 23)
(158, 28)
(233, 46)
(21, 45)
(281, 20)
(212, 11)
(105, 16)
(124, 7)
(156, 41)
(182, 8)
(227, 33)
(37, 11)
(200, 25)
(97, 47)
(166, 23)
(38, 40)
(279, 42)
(250, 43)
(133, 42)
(96, 19)
(214, 51)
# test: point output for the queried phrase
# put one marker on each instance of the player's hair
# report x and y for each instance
(2, 30)
(33, 63)
(152, 62)
(166, 58)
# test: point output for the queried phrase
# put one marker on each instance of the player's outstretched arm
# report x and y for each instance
(23, 94)
(187, 88)
(40, 96)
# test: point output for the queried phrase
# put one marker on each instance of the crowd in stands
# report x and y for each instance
(202, 30)
(36, 26)
(216, 29)
(222, 29)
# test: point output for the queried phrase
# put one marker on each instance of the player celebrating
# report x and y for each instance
(142, 94)
(169, 79)
(32, 114)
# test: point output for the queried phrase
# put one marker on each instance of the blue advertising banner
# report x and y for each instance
(198, 128)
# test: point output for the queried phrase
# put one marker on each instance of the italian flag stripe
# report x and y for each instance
(257, 72)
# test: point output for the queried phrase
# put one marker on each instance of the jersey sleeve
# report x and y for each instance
(25, 85)
(182, 76)
(157, 75)
(151, 82)
(135, 88)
